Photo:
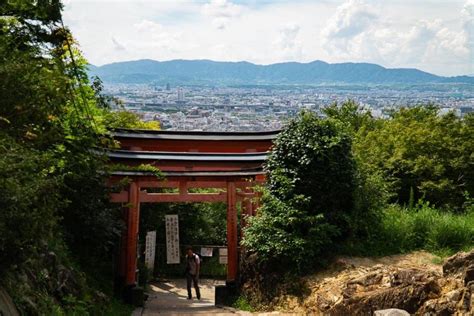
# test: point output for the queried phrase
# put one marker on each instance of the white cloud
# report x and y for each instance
(148, 27)
(436, 36)
(154, 37)
(351, 18)
(345, 34)
(415, 45)
(287, 43)
(468, 17)
(361, 32)
(117, 44)
(221, 12)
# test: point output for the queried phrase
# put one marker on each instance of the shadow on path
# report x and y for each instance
(169, 297)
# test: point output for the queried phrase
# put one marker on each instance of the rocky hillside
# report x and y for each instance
(412, 283)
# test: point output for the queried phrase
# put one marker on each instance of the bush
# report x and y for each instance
(287, 238)
(312, 158)
(28, 202)
(308, 203)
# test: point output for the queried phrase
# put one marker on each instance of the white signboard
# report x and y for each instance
(172, 239)
(223, 255)
(150, 247)
(206, 252)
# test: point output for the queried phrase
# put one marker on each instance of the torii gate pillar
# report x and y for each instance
(132, 233)
(232, 252)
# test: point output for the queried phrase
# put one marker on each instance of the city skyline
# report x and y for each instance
(434, 36)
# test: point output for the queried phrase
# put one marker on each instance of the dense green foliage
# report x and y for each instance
(28, 202)
(200, 224)
(417, 152)
(55, 220)
(425, 153)
(353, 184)
(309, 201)
(126, 119)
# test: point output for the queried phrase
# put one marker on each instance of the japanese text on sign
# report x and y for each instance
(150, 247)
(172, 239)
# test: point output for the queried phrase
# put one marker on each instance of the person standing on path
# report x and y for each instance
(193, 265)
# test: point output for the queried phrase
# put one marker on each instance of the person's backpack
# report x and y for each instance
(186, 270)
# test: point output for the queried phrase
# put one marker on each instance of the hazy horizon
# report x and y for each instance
(261, 64)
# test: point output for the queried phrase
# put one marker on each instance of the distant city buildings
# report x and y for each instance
(180, 95)
(257, 109)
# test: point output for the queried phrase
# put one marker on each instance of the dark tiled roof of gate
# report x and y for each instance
(194, 135)
(187, 156)
(240, 173)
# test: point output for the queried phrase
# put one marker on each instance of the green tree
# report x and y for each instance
(420, 151)
(200, 224)
(52, 190)
(309, 200)
(313, 158)
(372, 191)
(29, 200)
(352, 115)
(127, 119)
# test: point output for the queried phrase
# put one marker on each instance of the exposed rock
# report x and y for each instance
(409, 292)
(411, 283)
(469, 274)
(458, 285)
(454, 295)
(458, 263)
(391, 312)
(367, 280)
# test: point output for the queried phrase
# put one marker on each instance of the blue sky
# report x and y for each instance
(433, 35)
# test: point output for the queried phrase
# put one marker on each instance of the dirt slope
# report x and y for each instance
(413, 282)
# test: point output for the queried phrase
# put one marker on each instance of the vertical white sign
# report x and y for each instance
(150, 247)
(172, 239)
(223, 255)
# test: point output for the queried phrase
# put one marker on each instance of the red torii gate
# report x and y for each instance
(232, 162)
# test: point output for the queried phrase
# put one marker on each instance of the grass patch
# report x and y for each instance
(241, 303)
(423, 227)
(118, 308)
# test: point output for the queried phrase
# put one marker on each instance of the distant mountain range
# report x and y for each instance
(207, 72)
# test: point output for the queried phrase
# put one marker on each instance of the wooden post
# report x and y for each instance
(132, 233)
(123, 246)
(121, 260)
(232, 253)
